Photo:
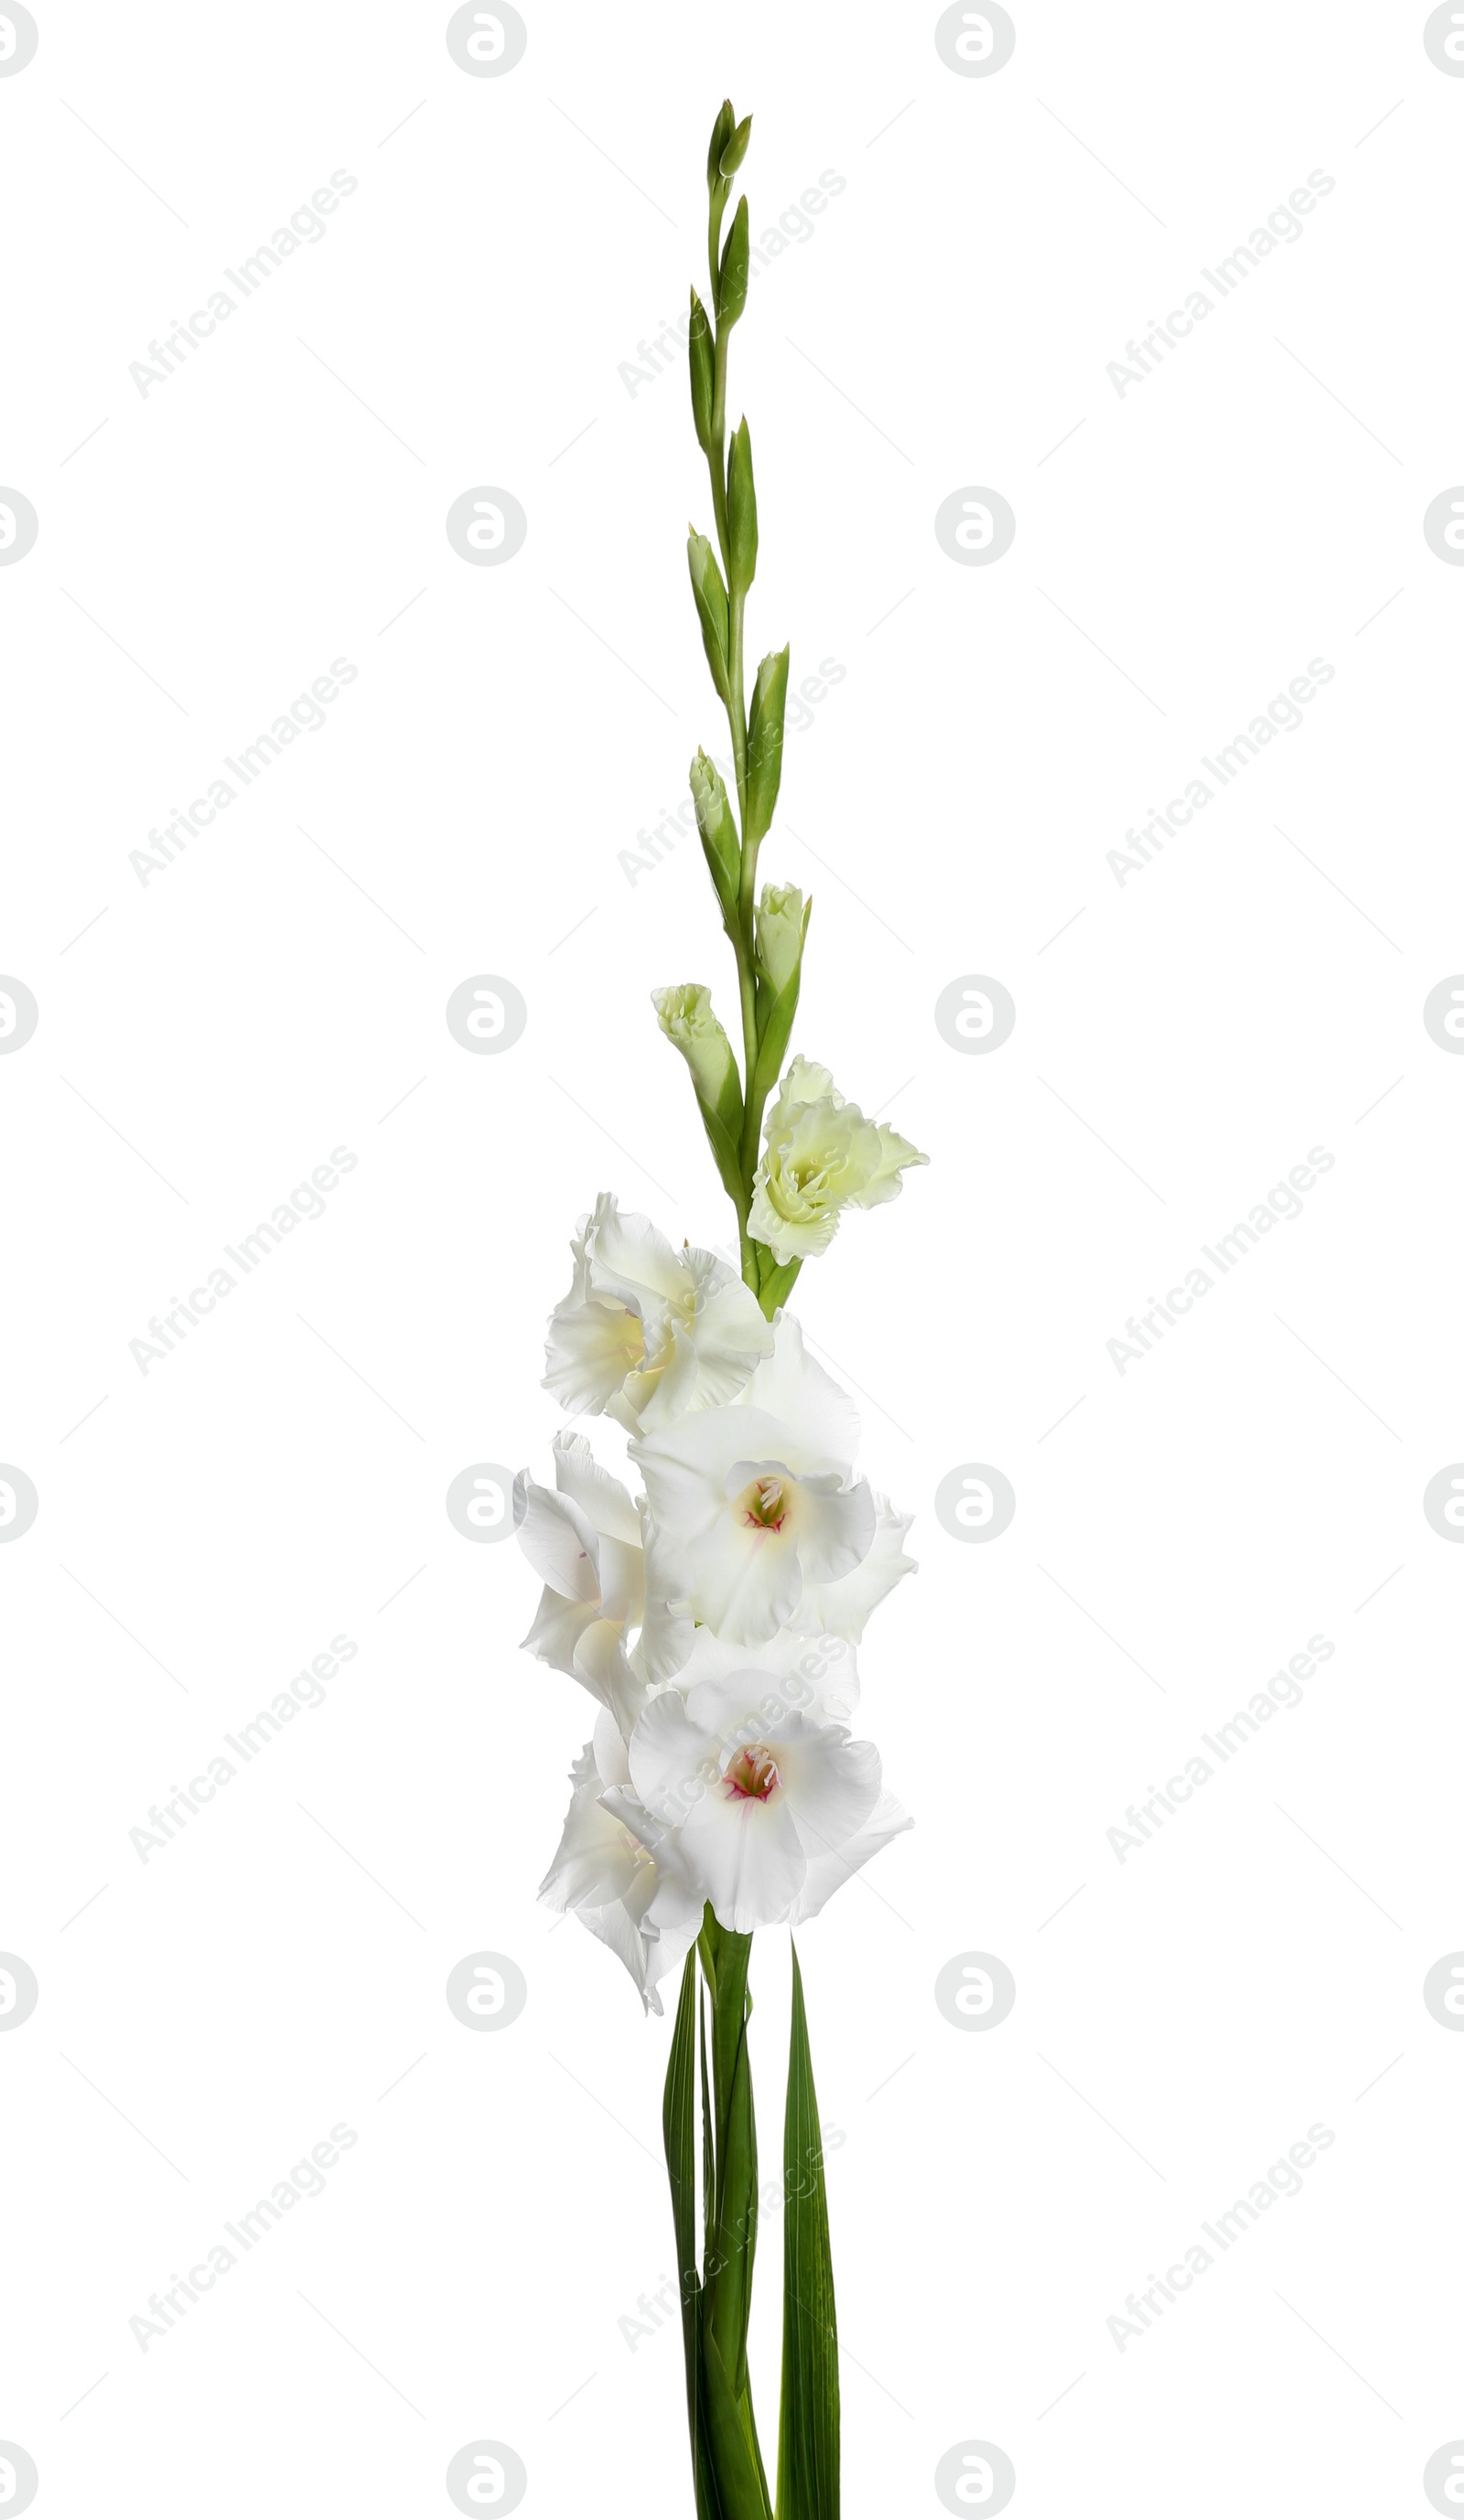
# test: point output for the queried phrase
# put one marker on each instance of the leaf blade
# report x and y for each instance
(677, 2122)
(809, 2419)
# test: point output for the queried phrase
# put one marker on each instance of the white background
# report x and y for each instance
(1182, 1040)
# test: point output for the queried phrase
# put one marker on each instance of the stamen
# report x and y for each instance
(752, 1775)
(766, 1505)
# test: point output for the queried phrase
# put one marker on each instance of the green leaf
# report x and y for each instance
(808, 2425)
(676, 2119)
(708, 2158)
(711, 608)
(732, 280)
(737, 2479)
(735, 2226)
(764, 736)
(733, 2241)
(702, 378)
(742, 511)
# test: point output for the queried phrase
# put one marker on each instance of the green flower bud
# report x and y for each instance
(736, 150)
(712, 606)
(718, 828)
(686, 1019)
(732, 286)
(779, 921)
(741, 509)
(703, 382)
(766, 741)
(722, 131)
(689, 1022)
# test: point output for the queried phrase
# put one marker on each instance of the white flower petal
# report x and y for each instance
(685, 1467)
(667, 1635)
(600, 1665)
(748, 1857)
(828, 1873)
(591, 1347)
(835, 1527)
(605, 1505)
(558, 1540)
(843, 1606)
(595, 1861)
(793, 1387)
(612, 1767)
(746, 1580)
(791, 1670)
(630, 1257)
(672, 1758)
(832, 1783)
(558, 1628)
(726, 1341)
(623, 1581)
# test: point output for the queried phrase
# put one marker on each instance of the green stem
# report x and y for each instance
(743, 937)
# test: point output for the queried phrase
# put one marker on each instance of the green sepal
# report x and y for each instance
(721, 133)
(742, 511)
(775, 1280)
(732, 279)
(736, 150)
(702, 378)
(724, 1137)
(717, 828)
(711, 608)
(766, 741)
(775, 1014)
(809, 2421)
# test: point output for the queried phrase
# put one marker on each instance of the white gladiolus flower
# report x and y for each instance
(605, 1874)
(753, 1503)
(820, 1156)
(583, 1538)
(647, 1332)
(772, 1805)
(842, 1606)
(714, 1619)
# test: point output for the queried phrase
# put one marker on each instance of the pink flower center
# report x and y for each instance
(752, 1775)
(764, 1505)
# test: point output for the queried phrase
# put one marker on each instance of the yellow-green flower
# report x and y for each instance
(820, 1154)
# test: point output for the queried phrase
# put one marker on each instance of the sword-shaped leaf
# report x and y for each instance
(809, 2426)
